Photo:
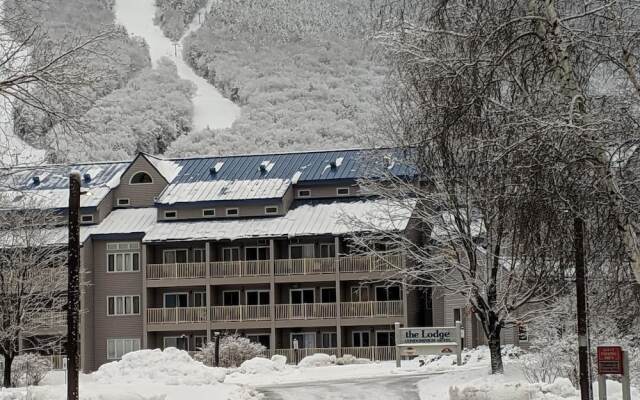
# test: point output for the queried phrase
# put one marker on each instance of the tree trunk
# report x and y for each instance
(496, 353)
(6, 376)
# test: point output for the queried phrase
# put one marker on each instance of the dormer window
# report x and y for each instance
(171, 214)
(304, 193)
(342, 191)
(209, 212)
(140, 178)
(232, 212)
(86, 218)
(123, 202)
(271, 210)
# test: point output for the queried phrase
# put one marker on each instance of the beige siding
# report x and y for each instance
(111, 284)
(87, 331)
(221, 211)
(141, 195)
(325, 191)
(105, 207)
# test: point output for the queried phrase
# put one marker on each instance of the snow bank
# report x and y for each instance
(170, 367)
(471, 358)
(260, 365)
(317, 360)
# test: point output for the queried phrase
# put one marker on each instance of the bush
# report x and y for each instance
(29, 369)
(234, 350)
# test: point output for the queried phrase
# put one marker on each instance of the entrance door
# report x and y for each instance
(301, 296)
(360, 339)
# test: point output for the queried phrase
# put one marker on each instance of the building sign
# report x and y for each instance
(411, 342)
(427, 335)
(610, 360)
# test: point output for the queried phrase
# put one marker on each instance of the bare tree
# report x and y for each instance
(32, 284)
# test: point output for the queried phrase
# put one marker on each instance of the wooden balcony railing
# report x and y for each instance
(305, 266)
(176, 271)
(240, 313)
(225, 269)
(49, 320)
(370, 309)
(306, 311)
(177, 315)
(371, 263)
(374, 353)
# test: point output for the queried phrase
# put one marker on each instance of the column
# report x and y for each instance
(272, 295)
(405, 302)
(143, 264)
(207, 274)
(336, 242)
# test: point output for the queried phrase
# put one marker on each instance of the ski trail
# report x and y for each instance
(211, 109)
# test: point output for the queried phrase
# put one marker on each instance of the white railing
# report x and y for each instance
(176, 271)
(177, 315)
(306, 311)
(241, 313)
(305, 266)
(371, 263)
(374, 353)
(369, 309)
(224, 269)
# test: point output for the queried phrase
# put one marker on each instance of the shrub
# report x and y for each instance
(234, 350)
(29, 369)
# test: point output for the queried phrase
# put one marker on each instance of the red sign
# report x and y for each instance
(610, 360)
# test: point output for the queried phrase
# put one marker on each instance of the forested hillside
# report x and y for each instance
(173, 16)
(301, 69)
(120, 75)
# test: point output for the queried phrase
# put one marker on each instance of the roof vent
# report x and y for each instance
(87, 177)
(336, 163)
(36, 180)
(266, 166)
(216, 168)
(388, 161)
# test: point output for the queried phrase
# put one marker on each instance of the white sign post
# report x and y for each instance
(428, 340)
(613, 360)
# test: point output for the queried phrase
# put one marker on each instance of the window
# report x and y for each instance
(359, 293)
(385, 338)
(123, 305)
(262, 338)
(301, 250)
(199, 255)
(171, 214)
(231, 298)
(304, 193)
(123, 202)
(257, 297)
(140, 178)
(329, 339)
(199, 341)
(116, 348)
(342, 191)
(199, 299)
(388, 293)
(209, 212)
(328, 295)
(327, 250)
(254, 253)
(305, 340)
(123, 262)
(179, 342)
(232, 211)
(271, 210)
(175, 300)
(360, 338)
(301, 296)
(123, 246)
(457, 315)
(86, 218)
(175, 256)
(230, 253)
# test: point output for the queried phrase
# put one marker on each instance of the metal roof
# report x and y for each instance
(220, 190)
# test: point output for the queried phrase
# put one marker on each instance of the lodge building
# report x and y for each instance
(175, 250)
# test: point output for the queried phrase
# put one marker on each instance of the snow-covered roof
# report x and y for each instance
(224, 190)
(333, 218)
(49, 198)
(127, 220)
(167, 168)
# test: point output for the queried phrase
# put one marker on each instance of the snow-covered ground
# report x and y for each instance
(211, 109)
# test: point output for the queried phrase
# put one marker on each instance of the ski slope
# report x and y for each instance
(211, 109)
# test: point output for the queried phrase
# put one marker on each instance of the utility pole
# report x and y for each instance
(216, 354)
(73, 287)
(583, 326)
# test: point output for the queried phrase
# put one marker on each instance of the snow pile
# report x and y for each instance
(170, 367)
(260, 365)
(470, 358)
(317, 360)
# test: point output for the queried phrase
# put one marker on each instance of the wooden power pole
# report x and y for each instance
(73, 288)
(583, 328)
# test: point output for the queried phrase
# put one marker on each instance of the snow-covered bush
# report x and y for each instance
(317, 360)
(29, 369)
(261, 365)
(234, 350)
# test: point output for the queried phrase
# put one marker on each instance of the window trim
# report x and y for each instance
(170, 211)
(277, 211)
(330, 334)
(176, 249)
(141, 183)
(208, 209)
(359, 287)
(313, 291)
(226, 211)
(304, 190)
(387, 331)
(196, 250)
(83, 216)
(257, 247)
(329, 245)
(114, 253)
(231, 248)
(114, 339)
(343, 194)
(246, 296)
(304, 333)
(360, 332)
(375, 291)
(303, 245)
(164, 298)
(119, 204)
(328, 288)
(232, 291)
(115, 308)
(201, 293)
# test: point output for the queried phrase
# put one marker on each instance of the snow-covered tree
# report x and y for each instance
(234, 350)
(32, 285)
(29, 369)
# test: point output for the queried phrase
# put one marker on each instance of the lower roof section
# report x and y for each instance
(305, 219)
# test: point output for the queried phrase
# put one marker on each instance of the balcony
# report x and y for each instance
(282, 267)
(283, 312)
